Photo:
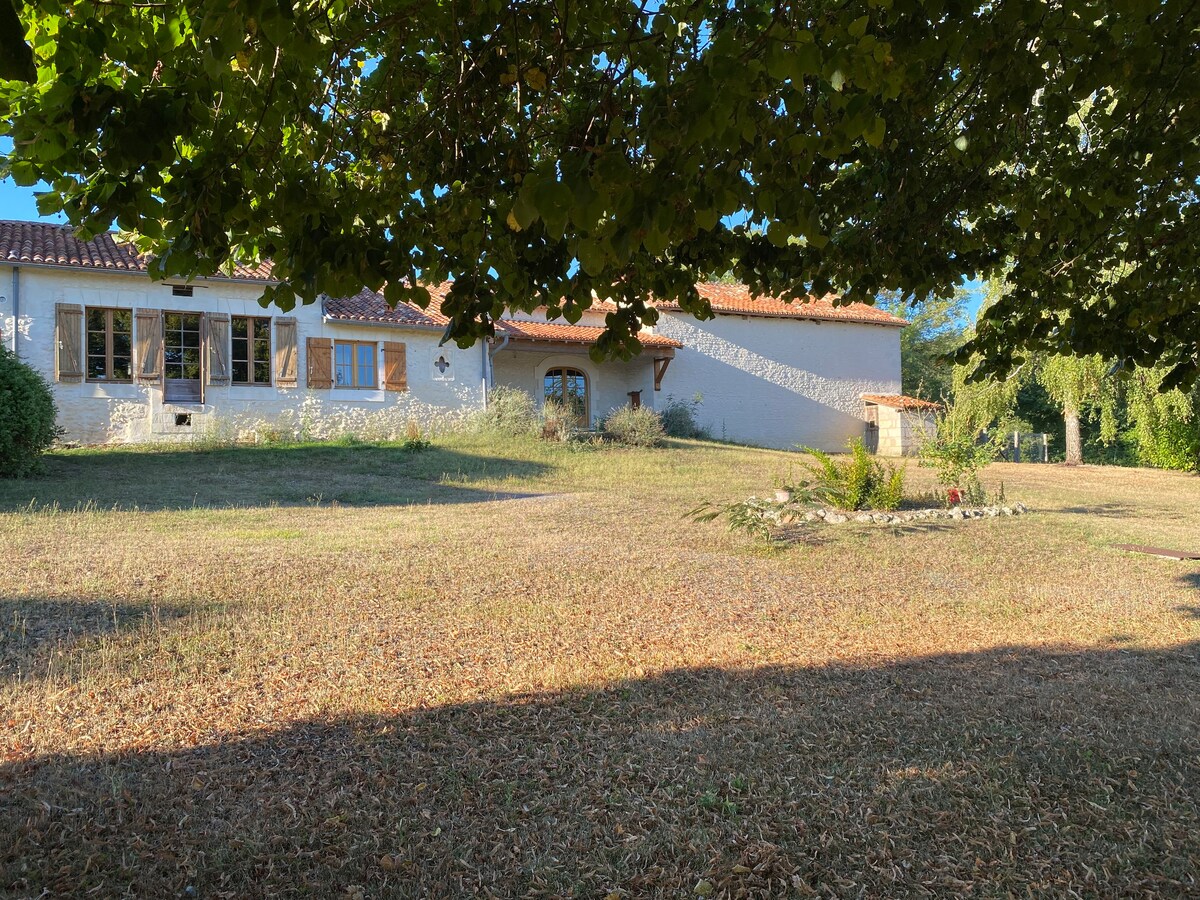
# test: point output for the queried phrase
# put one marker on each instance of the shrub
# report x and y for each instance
(860, 482)
(957, 454)
(509, 411)
(679, 418)
(26, 416)
(558, 421)
(639, 427)
(414, 439)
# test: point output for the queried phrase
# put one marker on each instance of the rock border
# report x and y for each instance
(865, 517)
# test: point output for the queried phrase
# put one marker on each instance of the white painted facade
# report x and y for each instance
(98, 412)
(767, 381)
(781, 382)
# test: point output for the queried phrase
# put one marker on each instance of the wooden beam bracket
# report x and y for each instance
(660, 369)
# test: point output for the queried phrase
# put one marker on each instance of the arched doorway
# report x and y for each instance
(569, 387)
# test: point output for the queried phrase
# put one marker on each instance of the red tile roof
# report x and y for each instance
(370, 306)
(570, 334)
(736, 299)
(47, 244)
(899, 401)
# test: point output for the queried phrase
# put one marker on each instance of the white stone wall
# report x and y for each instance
(97, 413)
(608, 384)
(781, 382)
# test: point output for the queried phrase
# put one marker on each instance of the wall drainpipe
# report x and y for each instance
(16, 310)
(489, 377)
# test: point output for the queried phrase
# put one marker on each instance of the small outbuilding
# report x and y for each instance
(896, 424)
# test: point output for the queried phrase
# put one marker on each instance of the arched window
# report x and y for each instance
(570, 388)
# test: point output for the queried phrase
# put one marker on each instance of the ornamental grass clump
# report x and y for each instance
(854, 483)
(631, 427)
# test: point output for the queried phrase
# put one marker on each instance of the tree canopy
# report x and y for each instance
(547, 151)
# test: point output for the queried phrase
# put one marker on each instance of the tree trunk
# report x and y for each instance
(1074, 442)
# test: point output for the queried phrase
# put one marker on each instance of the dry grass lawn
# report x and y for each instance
(514, 670)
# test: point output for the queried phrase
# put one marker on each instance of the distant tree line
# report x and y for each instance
(1092, 408)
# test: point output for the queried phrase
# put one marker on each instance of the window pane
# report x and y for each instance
(238, 325)
(96, 319)
(122, 320)
(96, 342)
(95, 367)
(122, 368)
(172, 322)
(343, 364)
(553, 387)
(241, 372)
(366, 356)
(262, 373)
(191, 339)
(241, 348)
(122, 344)
(262, 349)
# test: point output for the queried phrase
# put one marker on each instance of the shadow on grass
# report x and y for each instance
(34, 630)
(1011, 770)
(296, 475)
(1104, 510)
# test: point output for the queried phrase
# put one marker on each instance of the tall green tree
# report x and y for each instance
(1165, 423)
(1080, 385)
(936, 328)
(548, 151)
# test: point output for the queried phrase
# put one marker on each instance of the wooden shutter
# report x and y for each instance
(148, 323)
(68, 342)
(320, 362)
(395, 366)
(286, 365)
(216, 328)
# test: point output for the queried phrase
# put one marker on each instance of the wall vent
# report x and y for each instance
(181, 290)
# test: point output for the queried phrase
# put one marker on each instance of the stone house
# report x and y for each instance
(132, 360)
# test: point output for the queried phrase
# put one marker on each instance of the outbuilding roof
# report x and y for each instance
(48, 244)
(899, 401)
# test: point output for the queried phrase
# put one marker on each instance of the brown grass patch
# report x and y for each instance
(405, 685)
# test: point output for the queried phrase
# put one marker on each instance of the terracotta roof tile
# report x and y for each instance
(571, 334)
(736, 298)
(899, 401)
(47, 244)
(369, 306)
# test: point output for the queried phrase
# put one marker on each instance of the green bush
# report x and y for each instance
(679, 418)
(509, 411)
(558, 421)
(860, 482)
(26, 416)
(957, 455)
(1174, 444)
(639, 427)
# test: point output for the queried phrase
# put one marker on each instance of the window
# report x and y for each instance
(568, 387)
(109, 344)
(354, 364)
(181, 290)
(251, 359)
(181, 358)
